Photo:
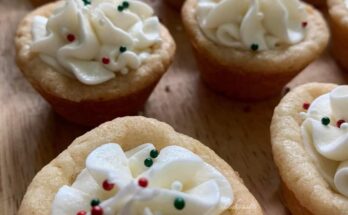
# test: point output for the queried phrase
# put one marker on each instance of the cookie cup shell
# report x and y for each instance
(91, 104)
(305, 191)
(129, 132)
(338, 15)
(249, 75)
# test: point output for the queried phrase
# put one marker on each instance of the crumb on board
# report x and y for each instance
(167, 89)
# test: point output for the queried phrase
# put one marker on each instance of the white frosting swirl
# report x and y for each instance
(244, 23)
(176, 172)
(85, 41)
(328, 144)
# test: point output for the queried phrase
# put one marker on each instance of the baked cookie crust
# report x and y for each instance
(305, 190)
(338, 14)
(251, 75)
(129, 132)
(86, 104)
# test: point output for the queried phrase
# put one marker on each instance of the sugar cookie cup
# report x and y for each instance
(128, 132)
(91, 104)
(304, 188)
(338, 15)
(250, 75)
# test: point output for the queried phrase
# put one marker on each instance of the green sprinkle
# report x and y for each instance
(120, 8)
(125, 4)
(154, 153)
(95, 202)
(179, 203)
(123, 49)
(86, 2)
(148, 162)
(254, 47)
(325, 121)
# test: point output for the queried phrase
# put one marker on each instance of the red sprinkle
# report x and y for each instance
(143, 182)
(108, 186)
(340, 122)
(97, 210)
(106, 60)
(304, 24)
(70, 37)
(306, 105)
(81, 213)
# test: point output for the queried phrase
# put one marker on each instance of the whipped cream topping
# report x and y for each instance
(252, 24)
(175, 181)
(93, 41)
(325, 135)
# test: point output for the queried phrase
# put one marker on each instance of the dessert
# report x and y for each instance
(309, 139)
(338, 14)
(250, 49)
(135, 165)
(94, 60)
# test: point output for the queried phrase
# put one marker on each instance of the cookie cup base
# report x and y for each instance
(239, 85)
(338, 16)
(86, 104)
(305, 187)
(92, 113)
(129, 132)
(253, 75)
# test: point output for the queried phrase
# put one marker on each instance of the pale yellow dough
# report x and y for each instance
(129, 132)
(306, 191)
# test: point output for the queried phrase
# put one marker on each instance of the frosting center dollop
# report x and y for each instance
(252, 24)
(95, 40)
(325, 135)
(143, 182)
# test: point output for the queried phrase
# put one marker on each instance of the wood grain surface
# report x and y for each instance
(31, 134)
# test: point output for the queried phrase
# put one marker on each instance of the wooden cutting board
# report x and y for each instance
(31, 134)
